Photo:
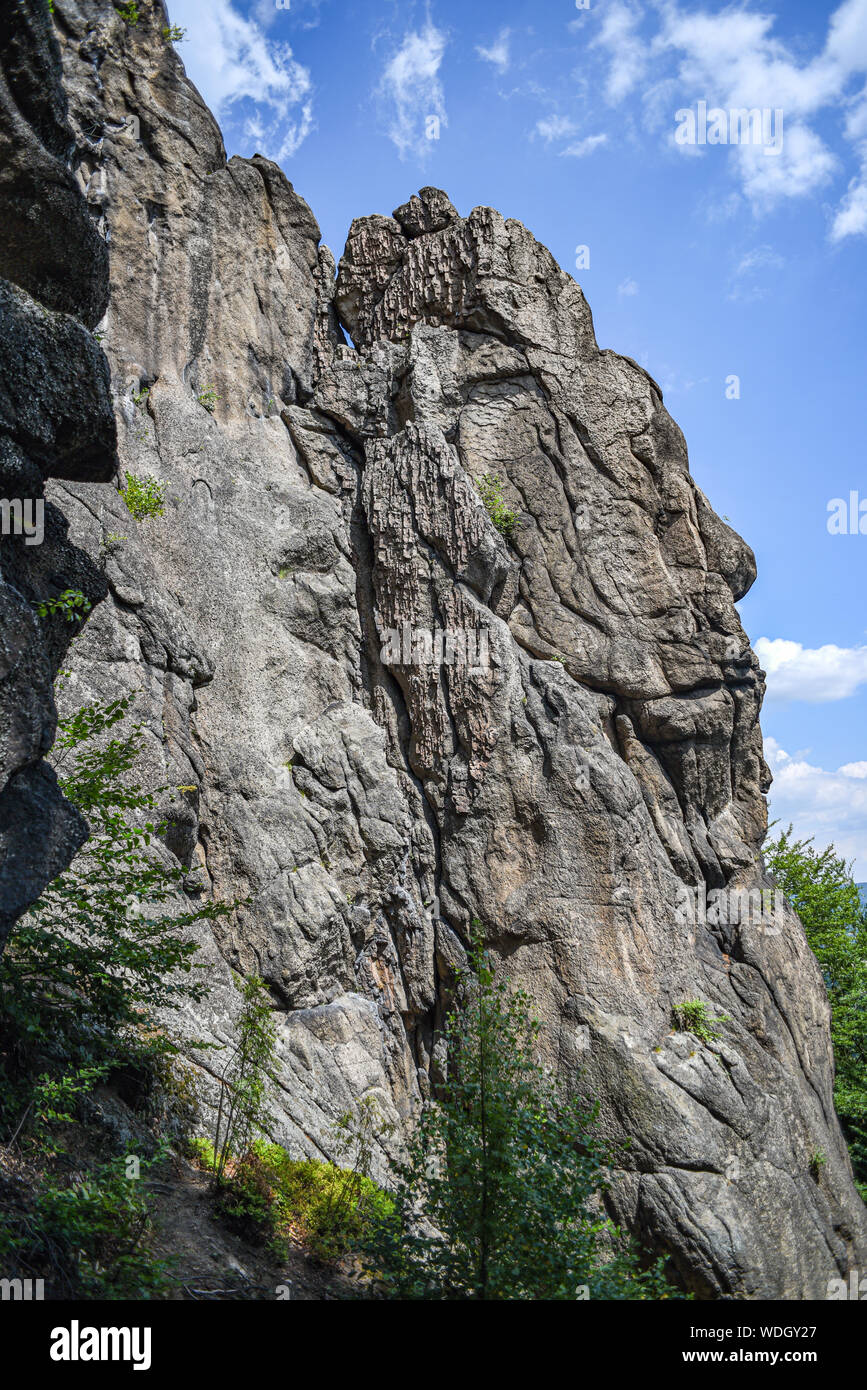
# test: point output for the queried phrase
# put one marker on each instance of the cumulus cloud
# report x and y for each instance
(828, 806)
(411, 89)
(246, 76)
(817, 675)
(733, 59)
(498, 53)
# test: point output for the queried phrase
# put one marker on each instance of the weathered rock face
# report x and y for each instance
(56, 420)
(586, 754)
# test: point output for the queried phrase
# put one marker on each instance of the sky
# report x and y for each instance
(731, 267)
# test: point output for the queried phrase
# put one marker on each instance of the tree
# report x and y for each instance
(499, 1195)
(243, 1110)
(819, 886)
(104, 948)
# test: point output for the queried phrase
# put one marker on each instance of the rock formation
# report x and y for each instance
(56, 421)
(583, 758)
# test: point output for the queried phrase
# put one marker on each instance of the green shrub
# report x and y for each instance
(498, 1197)
(491, 492)
(172, 33)
(332, 1210)
(71, 603)
(208, 398)
(820, 887)
(88, 1237)
(818, 1159)
(693, 1017)
(144, 497)
(129, 13)
(104, 947)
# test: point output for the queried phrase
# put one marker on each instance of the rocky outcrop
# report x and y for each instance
(578, 765)
(56, 421)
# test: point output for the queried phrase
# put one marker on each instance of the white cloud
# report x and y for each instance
(629, 53)
(851, 216)
(830, 807)
(816, 675)
(750, 278)
(555, 128)
(732, 59)
(411, 87)
(854, 770)
(232, 61)
(627, 288)
(585, 146)
(498, 53)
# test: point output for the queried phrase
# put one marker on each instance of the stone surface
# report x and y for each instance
(596, 759)
(56, 420)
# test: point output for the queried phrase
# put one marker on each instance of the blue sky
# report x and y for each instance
(706, 262)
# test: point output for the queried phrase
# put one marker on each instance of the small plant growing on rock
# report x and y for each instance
(173, 33)
(129, 13)
(491, 492)
(208, 398)
(818, 1159)
(71, 603)
(694, 1017)
(144, 497)
(111, 542)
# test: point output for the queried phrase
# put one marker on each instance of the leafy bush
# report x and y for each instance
(819, 885)
(208, 398)
(71, 603)
(88, 1237)
(103, 948)
(331, 1209)
(499, 1196)
(129, 13)
(693, 1017)
(144, 497)
(491, 492)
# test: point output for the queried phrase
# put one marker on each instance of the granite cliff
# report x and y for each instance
(577, 769)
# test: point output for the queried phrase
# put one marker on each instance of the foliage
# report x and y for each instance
(71, 603)
(103, 948)
(129, 13)
(331, 1209)
(173, 33)
(491, 492)
(144, 497)
(819, 885)
(208, 398)
(499, 1195)
(87, 1235)
(693, 1017)
(243, 1110)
